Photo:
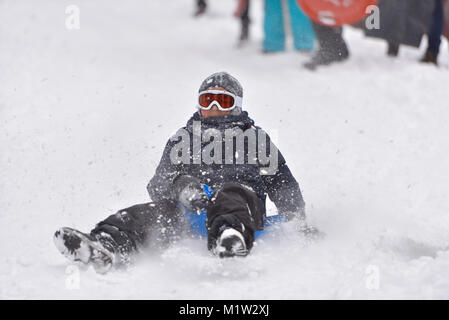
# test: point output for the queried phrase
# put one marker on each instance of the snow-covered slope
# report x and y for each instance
(84, 116)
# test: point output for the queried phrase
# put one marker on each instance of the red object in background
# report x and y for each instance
(240, 7)
(335, 13)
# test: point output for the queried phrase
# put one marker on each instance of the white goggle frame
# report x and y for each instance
(237, 100)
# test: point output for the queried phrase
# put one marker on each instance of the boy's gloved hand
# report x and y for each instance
(189, 192)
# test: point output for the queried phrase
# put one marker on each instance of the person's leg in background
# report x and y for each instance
(303, 34)
(332, 46)
(435, 33)
(393, 49)
(201, 6)
(274, 39)
(245, 21)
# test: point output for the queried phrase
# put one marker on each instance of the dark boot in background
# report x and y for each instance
(324, 58)
(435, 34)
(201, 6)
(332, 46)
(430, 57)
(393, 49)
(244, 31)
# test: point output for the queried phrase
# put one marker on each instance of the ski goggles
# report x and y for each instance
(225, 101)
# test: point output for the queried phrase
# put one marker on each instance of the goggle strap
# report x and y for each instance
(238, 101)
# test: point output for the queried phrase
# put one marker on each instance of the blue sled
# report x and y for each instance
(198, 221)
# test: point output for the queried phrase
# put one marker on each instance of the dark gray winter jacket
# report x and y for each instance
(403, 21)
(207, 156)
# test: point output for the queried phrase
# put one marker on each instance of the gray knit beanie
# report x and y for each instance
(224, 80)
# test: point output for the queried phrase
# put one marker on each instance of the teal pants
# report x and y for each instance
(301, 25)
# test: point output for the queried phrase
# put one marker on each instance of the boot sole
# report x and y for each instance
(227, 238)
(85, 251)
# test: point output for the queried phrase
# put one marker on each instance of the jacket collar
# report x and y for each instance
(242, 121)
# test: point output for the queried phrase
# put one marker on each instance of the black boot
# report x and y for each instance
(430, 57)
(230, 243)
(324, 57)
(98, 250)
(228, 237)
(393, 49)
(200, 8)
(332, 46)
(244, 32)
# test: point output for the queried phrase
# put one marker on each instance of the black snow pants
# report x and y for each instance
(245, 21)
(159, 224)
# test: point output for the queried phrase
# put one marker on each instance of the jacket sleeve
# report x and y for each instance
(161, 184)
(284, 191)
